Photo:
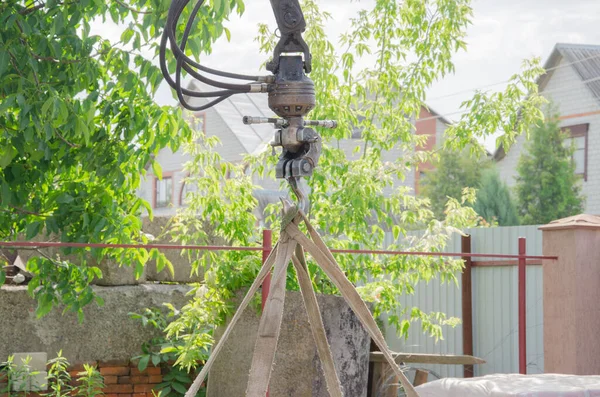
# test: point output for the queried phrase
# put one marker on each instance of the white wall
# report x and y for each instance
(567, 91)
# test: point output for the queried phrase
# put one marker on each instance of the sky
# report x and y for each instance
(503, 34)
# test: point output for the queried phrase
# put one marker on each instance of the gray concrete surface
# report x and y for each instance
(181, 263)
(108, 333)
(297, 371)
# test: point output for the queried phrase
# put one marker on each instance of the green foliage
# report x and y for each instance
(165, 350)
(374, 80)
(78, 128)
(453, 172)
(547, 186)
(16, 376)
(90, 382)
(59, 379)
(494, 201)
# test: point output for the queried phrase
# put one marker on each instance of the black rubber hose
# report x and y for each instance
(178, 88)
(175, 12)
(186, 33)
(171, 82)
(179, 53)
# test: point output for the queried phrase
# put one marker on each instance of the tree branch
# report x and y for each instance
(119, 2)
(28, 11)
(62, 138)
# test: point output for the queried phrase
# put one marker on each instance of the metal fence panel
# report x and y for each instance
(495, 307)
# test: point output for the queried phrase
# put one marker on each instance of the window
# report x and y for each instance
(579, 139)
(163, 192)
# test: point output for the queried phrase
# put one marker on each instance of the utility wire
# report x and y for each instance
(506, 81)
(556, 90)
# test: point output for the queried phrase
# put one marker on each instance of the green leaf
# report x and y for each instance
(7, 154)
(64, 198)
(4, 59)
(179, 387)
(127, 35)
(45, 304)
(47, 105)
(143, 363)
(157, 169)
(2, 277)
(33, 229)
(227, 34)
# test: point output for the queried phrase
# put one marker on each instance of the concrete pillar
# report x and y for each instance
(572, 295)
(297, 370)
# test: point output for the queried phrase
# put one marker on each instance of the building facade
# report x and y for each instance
(224, 121)
(572, 84)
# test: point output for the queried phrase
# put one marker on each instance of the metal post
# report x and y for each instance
(522, 307)
(467, 304)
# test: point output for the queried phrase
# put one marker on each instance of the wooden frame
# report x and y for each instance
(578, 131)
(166, 175)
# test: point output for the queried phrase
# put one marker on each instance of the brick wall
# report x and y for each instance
(121, 379)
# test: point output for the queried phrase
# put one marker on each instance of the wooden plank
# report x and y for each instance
(316, 324)
(515, 262)
(319, 251)
(445, 359)
(420, 377)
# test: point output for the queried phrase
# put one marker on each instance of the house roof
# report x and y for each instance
(436, 114)
(585, 61)
(253, 138)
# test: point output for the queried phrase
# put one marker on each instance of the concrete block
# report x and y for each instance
(108, 333)
(34, 382)
(297, 370)
(36, 361)
(115, 274)
(181, 263)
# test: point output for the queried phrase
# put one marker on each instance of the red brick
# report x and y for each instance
(147, 371)
(119, 389)
(111, 395)
(113, 363)
(139, 394)
(143, 388)
(152, 394)
(111, 379)
(79, 367)
(124, 380)
(155, 379)
(116, 371)
(139, 379)
(125, 395)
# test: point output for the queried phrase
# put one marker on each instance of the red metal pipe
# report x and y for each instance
(522, 307)
(27, 244)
